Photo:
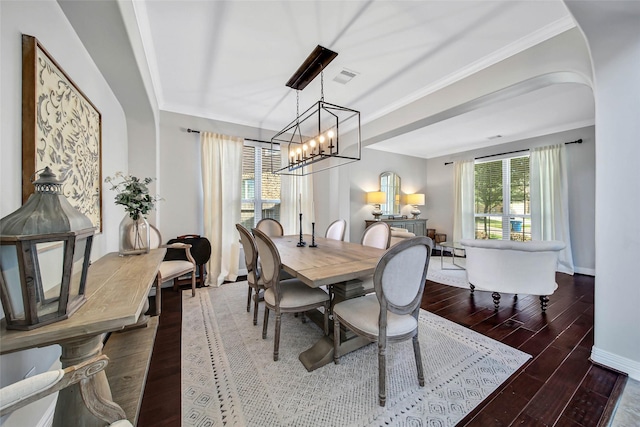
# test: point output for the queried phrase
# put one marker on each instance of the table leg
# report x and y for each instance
(87, 403)
(321, 352)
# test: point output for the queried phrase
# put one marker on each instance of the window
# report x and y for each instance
(502, 199)
(260, 188)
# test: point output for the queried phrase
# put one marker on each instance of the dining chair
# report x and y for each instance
(377, 235)
(284, 296)
(336, 230)
(31, 389)
(391, 314)
(172, 270)
(253, 273)
(271, 227)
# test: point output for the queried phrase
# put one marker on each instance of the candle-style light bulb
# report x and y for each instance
(330, 134)
(321, 139)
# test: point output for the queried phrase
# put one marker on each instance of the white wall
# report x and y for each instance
(45, 20)
(364, 176)
(615, 51)
(581, 177)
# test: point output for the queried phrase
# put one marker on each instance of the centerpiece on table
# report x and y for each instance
(133, 194)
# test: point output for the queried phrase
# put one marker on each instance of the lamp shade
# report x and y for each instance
(416, 199)
(376, 197)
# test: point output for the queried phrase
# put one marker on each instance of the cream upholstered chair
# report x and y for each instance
(270, 227)
(253, 274)
(26, 391)
(391, 314)
(512, 267)
(284, 296)
(377, 235)
(172, 270)
(336, 230)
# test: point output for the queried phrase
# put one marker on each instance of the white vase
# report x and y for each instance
(134, 236)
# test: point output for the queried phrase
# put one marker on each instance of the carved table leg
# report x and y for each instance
(89, 402)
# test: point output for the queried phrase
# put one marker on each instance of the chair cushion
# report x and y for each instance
(363, 314)
(294, 293)
(170, 269)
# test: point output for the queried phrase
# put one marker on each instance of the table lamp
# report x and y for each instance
(416, 200)
(376, 198)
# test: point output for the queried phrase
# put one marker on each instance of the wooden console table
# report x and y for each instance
(415, 226)
(117, 290)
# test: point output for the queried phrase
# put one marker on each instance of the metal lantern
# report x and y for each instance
(44, 257)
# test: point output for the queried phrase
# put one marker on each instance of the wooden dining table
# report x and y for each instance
(335, 264)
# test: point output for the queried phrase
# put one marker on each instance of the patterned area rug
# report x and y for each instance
(229, 376)
(447, 274)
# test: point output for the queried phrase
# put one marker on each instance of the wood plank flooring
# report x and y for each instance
(558, 387)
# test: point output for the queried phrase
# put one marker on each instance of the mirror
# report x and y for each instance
(390, 184)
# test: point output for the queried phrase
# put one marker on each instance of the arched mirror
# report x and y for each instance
(390, 184)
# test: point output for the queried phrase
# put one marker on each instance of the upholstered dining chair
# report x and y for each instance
(31, 389)
(391, 314)
(270, 227)
(284, 296)
(377, 235)
(172, 270)
(253, 274)
(336, 230)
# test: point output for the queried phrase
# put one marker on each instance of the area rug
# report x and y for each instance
(449, 275)
(229, 376)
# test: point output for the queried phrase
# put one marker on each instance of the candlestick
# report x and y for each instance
(313, 236)
(301, 243)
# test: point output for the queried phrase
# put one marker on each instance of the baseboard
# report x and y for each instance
(618, 363)
(585, 271)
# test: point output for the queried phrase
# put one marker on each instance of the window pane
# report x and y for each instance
(489, 227)
(247, 215)
(520, 197)
(520, 229)
(271, 210)
(248, 173)
(270, 181)
(488, 187)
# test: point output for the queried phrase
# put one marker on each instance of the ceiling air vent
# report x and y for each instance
(345, 76)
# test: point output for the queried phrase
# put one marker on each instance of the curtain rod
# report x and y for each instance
(189, 130)
(577, 141)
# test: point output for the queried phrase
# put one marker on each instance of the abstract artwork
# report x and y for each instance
(61, 129)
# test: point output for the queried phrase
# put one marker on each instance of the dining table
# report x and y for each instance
(339, 266)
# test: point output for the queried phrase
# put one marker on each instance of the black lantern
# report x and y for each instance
(44, 257)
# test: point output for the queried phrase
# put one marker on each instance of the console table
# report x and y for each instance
(117, 289)
(415, 226)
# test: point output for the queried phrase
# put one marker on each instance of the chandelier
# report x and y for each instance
(322, 137)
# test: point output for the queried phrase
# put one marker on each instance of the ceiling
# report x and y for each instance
(230, 60)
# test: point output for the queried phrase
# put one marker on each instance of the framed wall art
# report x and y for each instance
(61, 129)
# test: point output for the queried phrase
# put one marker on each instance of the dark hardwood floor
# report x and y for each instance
(559, 386)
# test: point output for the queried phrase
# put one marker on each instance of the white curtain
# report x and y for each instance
(550, 200)
(463, 216)
(221, 184)
(296, 193)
